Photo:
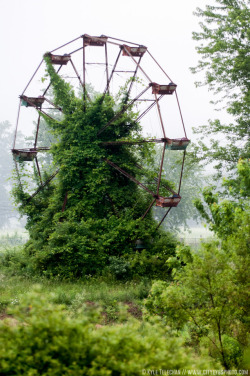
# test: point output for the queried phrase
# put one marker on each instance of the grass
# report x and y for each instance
(106, 295)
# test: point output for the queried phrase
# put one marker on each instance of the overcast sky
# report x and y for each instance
(31, 27)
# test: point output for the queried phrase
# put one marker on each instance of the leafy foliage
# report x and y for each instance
(206, 300)
(90, 212)
(210, 297)
(150, 262)
(45, 340)
(224, 210)
(223, 46)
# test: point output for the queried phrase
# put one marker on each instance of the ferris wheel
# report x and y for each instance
(104, 65)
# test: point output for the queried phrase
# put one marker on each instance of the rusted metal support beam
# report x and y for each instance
(124, 71)
(73, 40)
(17, 121)
(37, 130)
(129, 176)
(43, 112)
(38, 169)
(78, 49)
(52, 104)
(95, 63)
(150, 206)
(133, 78)
(38, 109)
(122, 111)
(148, 109)
(111, 75)
(147, 100)
(161, 167)
(138, 142)
(18, 175)
(32, 77)
(160, 66)
(181, 114)
(137, 64)
(156, 180)
(120, 40)
(77, 74)
(79, 78)
(41, 148)
(182, 167)
(42, 186)
(163, 218)
(159, 112)
(106, 63)
(170, 143)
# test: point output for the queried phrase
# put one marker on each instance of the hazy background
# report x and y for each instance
(31, 27)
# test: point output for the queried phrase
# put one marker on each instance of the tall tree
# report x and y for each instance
(224, 49)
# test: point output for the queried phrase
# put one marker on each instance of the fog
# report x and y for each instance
(29, 28)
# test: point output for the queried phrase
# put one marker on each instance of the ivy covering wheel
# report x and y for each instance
(96, 203)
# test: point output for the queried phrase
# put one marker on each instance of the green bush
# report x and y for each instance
(138, 265)
(16, 261)
(233, 351)
(205, 301)
(41, 339)
(118, 267)
(73, 255)
(150, 262)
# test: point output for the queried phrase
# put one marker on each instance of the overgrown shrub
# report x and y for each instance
(206, 301)
(150, 262)
(42, 339)
(90, 211)
(118, 267)
(15, 261)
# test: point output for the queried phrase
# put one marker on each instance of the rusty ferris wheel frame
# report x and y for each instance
(135, 52)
